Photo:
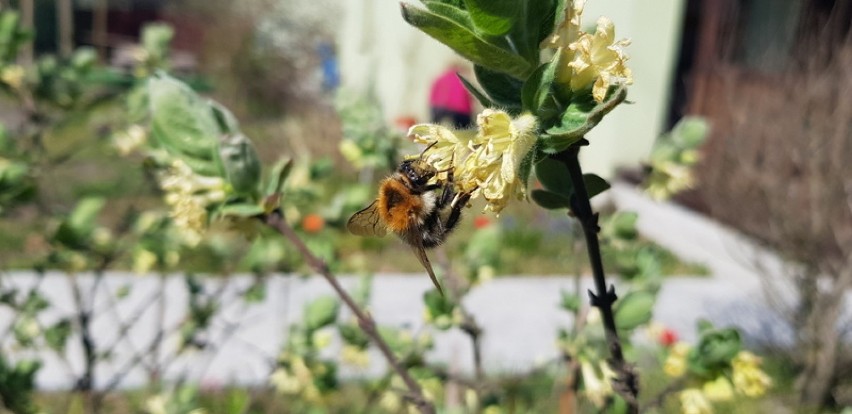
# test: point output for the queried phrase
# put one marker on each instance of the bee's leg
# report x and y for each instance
(452, 218)
(449, 193)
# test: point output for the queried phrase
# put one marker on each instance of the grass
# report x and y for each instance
(535, 392)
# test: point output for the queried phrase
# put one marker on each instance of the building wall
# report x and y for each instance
(378, 49)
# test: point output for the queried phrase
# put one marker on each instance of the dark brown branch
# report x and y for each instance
(365, 321)
(626, 384)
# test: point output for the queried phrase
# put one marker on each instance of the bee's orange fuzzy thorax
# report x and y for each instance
(398, 208)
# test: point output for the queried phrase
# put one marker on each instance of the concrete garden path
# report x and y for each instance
(519, 315)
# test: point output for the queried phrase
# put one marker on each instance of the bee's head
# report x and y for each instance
(417, 171)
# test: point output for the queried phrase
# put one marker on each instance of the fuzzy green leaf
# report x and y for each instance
(634, 309)
(579, 118)
(241, 164)
(550, 201)
(594, 184)
(321, 312)
(554, 177)
(493, 17)
(466, 42)
(570, 301)
(184, 124)
(536, 24)
(480, 96)
(503, 89)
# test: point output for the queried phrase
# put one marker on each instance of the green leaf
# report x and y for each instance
(570, 301)
(624, 225)
(466, 42)
(536, 24)
(554, 176)
(579, 118)
(714, 352)
(241, 210)
(537, 93)
(255, 293)
(226, 120)
(450, 11)
(361, 294)
(493, 17)
(439, 308)
(321, 312)
(279, 175)
(184, 124)
(594, 184)
(690, 132)
(74, 232)
(156, 38)
(479, 95)
(530, 159)
(353, 335)
(503, 89)
(550, 201)
(634, 309)
(241, 164)
(57, 335)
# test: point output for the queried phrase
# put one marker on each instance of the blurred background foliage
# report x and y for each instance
(68, 201)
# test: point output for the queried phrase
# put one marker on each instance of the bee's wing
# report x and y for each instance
(367, 222)
(420, 252)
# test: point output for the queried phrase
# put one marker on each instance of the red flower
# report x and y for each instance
(667, 337)
(481, 222)
(313, 223)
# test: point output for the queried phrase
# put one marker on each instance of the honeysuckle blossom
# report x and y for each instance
(693, 401)
(589, 58)
(188, 195)
(486, 161)
(601, 59)
(719, 389)
(566, 34)
(675, 364)
(13, 75)
(597, 387)
(130, 139)
(748, 378)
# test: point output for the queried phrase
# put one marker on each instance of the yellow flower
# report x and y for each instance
(448, 145)
(693, 401)
(492, 169)
(749, 379)
(566, 33)
(143, 261)
(355, 356)
(675, 364)
(668, 178)
(569, 30)
(129, 140)
(597, 387)
(488, 163)
(599, 58)
(13, 75)
(719, 389)
(189, 194)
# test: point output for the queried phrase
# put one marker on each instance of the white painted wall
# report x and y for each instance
(378, 47)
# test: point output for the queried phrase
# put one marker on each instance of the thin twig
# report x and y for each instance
(365, 321)
(627, 382)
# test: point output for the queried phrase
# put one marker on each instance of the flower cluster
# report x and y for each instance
(746, 378)
(486, 161)
(189, 194)
(595, 59)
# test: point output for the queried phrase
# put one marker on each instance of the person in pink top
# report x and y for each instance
(449, 100)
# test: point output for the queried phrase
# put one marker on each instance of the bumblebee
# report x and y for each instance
(412, 208)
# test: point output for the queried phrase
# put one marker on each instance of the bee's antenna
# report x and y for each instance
(427, 148)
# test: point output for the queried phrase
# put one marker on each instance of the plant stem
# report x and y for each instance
(365, 321)
(627, 383)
